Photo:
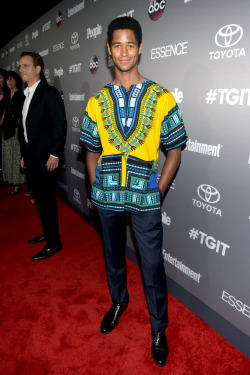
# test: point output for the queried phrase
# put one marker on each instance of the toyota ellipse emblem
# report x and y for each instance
(228, 35)
(74, 38)
(75, 122)
(76, 194)
(208, 193)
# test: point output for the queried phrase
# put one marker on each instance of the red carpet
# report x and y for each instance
(51, 310)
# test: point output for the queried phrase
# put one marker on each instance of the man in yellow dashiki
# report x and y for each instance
(123, 127)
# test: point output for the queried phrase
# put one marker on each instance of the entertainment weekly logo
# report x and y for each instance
(233, 96)
(181, 267)
(226, 39)
(76, 97)
(203, 148)
(75, 9)
(208, 241)
(209, 196)
(77, 173)
(44, 52)
(156, 9)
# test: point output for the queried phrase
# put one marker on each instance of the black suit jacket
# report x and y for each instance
(46, 125)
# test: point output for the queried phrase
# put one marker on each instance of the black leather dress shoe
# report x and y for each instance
(112, 317)
(159, 348)
(37, 239)
(46, 253)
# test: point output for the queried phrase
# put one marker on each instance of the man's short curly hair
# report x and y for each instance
(124, 23)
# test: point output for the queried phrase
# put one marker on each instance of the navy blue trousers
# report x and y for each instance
(148, 231)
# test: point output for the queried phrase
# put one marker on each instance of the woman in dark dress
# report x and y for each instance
(3, 92)
(11, 154)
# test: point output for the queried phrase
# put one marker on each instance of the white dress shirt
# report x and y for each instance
(28, 92)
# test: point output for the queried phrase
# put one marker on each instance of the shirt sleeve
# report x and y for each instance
(89, 136)
(173, 133)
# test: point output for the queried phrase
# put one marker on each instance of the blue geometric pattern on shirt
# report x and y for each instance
(110, 173)
(173, 133)
(89, 134)
(120, 199)
(137, 183)
(127, 105)
(136, 195)
(138, 173)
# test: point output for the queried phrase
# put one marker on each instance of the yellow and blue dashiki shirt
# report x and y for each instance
(127, 128)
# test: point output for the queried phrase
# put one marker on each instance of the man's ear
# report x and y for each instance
(140, 48)
(109, 50)
(38, 69)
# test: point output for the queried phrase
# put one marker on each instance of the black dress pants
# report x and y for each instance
(148, 230)
(44, 191)
(44, 185)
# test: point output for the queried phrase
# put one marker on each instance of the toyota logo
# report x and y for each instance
(208, 193)
(75, 122)
(76, 194)
(228, 35)
(74, 38)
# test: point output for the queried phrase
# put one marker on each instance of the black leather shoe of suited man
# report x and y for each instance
(46, 253)
(112, 317)
(159, 348)
(37, 239)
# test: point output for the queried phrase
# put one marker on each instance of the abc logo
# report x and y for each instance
(156, 8)
(93, 65)
(59, 19)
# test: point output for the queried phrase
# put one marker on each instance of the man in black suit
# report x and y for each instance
(42, 143)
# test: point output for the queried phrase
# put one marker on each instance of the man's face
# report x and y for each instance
(124, 50)
(29, 72)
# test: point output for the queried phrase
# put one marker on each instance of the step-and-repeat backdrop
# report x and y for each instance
(199, 50)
